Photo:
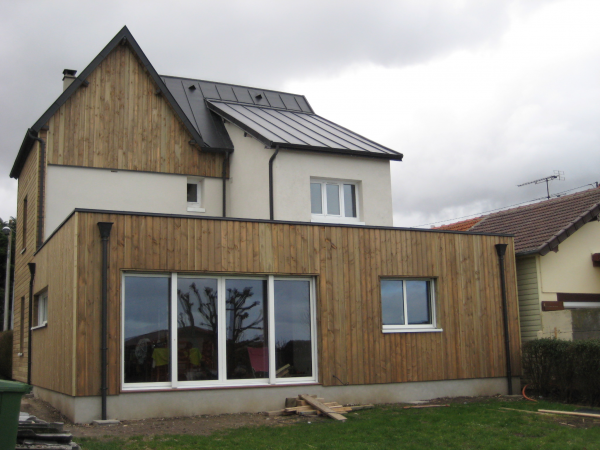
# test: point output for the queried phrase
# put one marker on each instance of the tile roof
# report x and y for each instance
(540, 227)
(464, 225)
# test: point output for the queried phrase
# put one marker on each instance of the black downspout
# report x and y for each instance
(31, 279)
(271, 160)
(501, 250)
(105, 228)
(42, 168)
(224, 176)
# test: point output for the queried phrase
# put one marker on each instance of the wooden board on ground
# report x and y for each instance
(321, 407)
(569, 413)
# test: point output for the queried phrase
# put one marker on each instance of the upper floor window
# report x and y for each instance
(194, 195)
(334, 201)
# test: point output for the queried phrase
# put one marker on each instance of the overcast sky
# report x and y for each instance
(479, 96)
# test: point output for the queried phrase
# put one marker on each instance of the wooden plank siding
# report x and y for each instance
(118, 122)
(529, 301)
(52, 346)
(347, 264)
(24, 249)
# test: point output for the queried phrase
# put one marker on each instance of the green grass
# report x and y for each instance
(471, 426)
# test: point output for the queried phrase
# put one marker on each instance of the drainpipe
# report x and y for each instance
(224, 176)
(42, 169)
(105, 228)
(501, 250)
(271, 160)
(31, 279)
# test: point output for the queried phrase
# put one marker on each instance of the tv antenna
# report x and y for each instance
(558, 175)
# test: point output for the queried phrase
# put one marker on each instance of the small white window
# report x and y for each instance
(194, 195)
(42, 309)
(407, 305)
(334, 201)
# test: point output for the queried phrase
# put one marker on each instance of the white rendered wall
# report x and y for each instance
(248, 187)
(570, 269)
(68, 188)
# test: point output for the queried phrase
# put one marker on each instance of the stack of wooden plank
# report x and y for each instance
(309, 405)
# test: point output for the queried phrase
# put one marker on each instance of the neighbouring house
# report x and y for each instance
(191, 247)
(557, 246)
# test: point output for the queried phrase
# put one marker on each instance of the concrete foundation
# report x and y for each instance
(143, 405)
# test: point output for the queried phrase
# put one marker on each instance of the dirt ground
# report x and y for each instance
(205, 425)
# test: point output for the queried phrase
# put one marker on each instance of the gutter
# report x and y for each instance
(271, 160)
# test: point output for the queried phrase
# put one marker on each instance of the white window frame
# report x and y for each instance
(407, 328)
(336, 218)
(42, 310)
(222, 325)
(195, 206)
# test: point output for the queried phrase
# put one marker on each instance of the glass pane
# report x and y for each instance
(392, 302)
(146, 357)
(333, 199)
(192, 193)
(417, 302)
(316, 201)
(350, 200)
(293, 350)
(247, 343)
(197, 344)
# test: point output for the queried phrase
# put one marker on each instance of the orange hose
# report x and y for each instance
(525, 395)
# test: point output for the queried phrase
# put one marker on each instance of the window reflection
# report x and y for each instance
(197, 344)
(293, 351)
(146, 356)
(246, 328)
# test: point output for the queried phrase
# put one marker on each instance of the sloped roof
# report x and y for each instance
(275, 118)
(201, 105)
(464, 225)
(540, 227)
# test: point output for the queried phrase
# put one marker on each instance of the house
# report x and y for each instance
(557, 245)
(192, 247)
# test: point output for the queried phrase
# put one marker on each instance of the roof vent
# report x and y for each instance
(68, 78)
(258, 97)
(192, 87)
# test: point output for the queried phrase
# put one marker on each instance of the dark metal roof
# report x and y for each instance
(273, 117)
(293, 128)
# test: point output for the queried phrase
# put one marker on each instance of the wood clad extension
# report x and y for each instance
(118, 122)
(347, 264)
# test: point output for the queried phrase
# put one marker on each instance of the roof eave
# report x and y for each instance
(562, 235)
(271, 144)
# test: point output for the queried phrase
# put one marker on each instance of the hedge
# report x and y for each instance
(569, 370)
(6, 344)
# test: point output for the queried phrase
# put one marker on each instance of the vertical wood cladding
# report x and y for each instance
(119, 122)
(52, 346)
(25, 248)
(347, 264)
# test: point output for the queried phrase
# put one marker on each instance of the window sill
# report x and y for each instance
(162, 387)
(341, 220)
(195, 209)
(37, 327)
(392, 329)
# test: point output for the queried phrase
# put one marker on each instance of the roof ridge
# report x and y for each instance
(231, 84)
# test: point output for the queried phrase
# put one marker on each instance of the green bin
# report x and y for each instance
(10, 405)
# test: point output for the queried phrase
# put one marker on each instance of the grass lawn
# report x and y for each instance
(479, 425)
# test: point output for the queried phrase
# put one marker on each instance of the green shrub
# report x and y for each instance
(567, 369)
(6, 350)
